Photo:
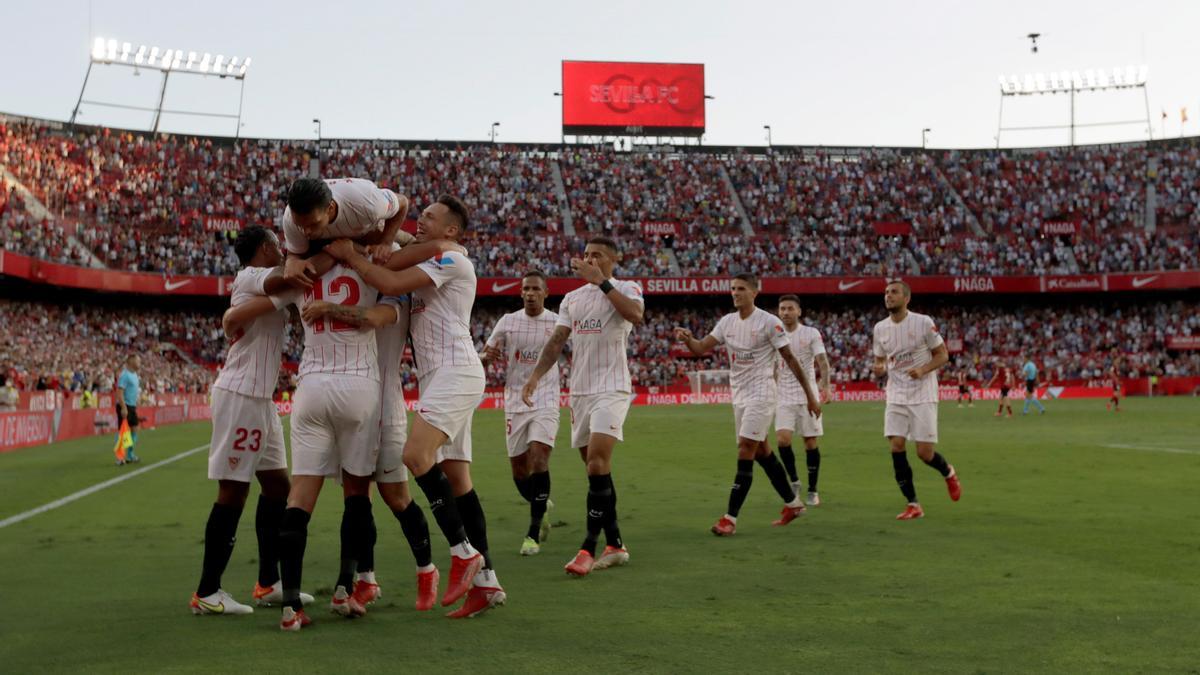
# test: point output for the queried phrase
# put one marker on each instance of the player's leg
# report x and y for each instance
(747, 448)
(275, 485)
(793, 505)
(1031, 392)
(485, 590)
(924, 432)
(355, 535)
(134, 425)
(517, 459)
(416, 532)
(812, 429)
(897, 425)
(538, 456)
(785, 424)
(602, 500)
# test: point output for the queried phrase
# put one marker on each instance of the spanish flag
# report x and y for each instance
(124, 441)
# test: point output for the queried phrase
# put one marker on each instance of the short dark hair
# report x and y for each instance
(609, 242)
(458, 208)
(308, 194)
(790, 297)
(748, 278)
(248, 242)
(535, 273)
(902, 284)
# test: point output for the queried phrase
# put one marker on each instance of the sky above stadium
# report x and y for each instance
(846, 73)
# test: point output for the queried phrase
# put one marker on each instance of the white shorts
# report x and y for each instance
(753, 420)
(916, 422)
(600, 414)
(246, 437)
(449, 397)
(389, 468)
(794, 417)
(458, 447)
(335, 423)
(535, 426)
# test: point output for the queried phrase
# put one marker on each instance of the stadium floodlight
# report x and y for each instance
(219, 64)
(233, 61)
(125, 49)
(1039, 80)
(1141, 76)
(110, 53)
(245, 65)
(98, 49)
(1071, 82)
(140, 57)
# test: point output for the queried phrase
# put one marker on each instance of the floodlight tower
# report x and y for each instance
(110, 52)
(1071, 83)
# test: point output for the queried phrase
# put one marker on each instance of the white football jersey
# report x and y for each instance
(252, 361)
(806, 344)
(391, 340)
(362, 207)
(599, 337)
(906, 345)
(441, 315)
(330, 346)
(521, 338)
(753, 344)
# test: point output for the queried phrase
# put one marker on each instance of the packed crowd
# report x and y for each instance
(166, 203)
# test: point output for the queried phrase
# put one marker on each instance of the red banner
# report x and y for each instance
(891, 228)
(1060, 227)
(1183, 342)
(55, 274)
(19, 430)
(662, 228)
(1088, 283)
(222, 224)
(633, 98)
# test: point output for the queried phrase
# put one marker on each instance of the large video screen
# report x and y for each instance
(605, 97)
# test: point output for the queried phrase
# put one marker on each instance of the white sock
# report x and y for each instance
(486, 578)
(796, 501)
(368, 577)
(732, 519)
(463, 550)
(426, 568)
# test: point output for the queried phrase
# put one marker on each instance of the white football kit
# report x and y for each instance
(753, 344)
(791, 414)
(911, 404)
(521, 338)
(362, 208)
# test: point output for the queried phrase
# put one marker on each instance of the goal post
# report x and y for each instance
(708, 381)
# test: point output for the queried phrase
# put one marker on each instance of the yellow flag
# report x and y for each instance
(124, 441)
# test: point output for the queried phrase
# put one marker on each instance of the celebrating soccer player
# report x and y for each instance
(598, 318)
(753, 337)
(530, 430)
(791, 412)
(909, 350)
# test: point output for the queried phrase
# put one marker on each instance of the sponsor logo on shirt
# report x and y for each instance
(418, 306)
(444, 261)
(527, 355)
(741, 356)
(588, 326)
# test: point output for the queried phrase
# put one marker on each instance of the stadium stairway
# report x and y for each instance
(972, 220)
(38, 210)
(560, 193)
(747, 228)
(1151, 217)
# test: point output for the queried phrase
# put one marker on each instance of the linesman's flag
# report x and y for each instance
(124, 441)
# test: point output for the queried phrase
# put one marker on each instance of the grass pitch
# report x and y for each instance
(1074, 548)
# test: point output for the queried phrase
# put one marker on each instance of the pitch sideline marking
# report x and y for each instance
(12, 520)
(1154, 448)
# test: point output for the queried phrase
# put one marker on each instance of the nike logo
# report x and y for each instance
(218, 608)
(612, 426)
(172, 285)
(391, 469)
(847, 285)
(498, 287)
(1138, 283)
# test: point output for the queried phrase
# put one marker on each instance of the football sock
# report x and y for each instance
(540, 490)
(813, 459)
(741, 486)
(293, 537)
(442, 503)
(267, 518)
(416, 531)
(789, 462)
(904, 476)
(220, 533)
(1010, 410)
(779, 480)
(475, 524)
(366, 557)
(354, 534)
(598, 496)
(525, 487)
(133, 435)
(938, 462)
(1039, 405)
(612, 533)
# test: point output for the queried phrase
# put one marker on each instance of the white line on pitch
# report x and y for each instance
(1154, 448)
(12, 520)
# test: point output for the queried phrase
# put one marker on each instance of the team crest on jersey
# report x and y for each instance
(444, 261)
(588, 326)
(233, 462)
(418, 305)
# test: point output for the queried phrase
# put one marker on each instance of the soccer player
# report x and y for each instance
(530, 431)
(350, 208)
(1002, 378)
(598, 318)
(1114, 382)
(247, 437)
(792, 410)
(129, 389)
(1030, 371)
(964, 389)
(755, 340)
(452, 383)
(909, 350)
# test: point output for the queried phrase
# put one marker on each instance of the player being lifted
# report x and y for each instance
(792, 411)
(530, 431)
(755, 340)
(1003, 378)
(452, 383)
(909, 350)
(247, 437)
(598, 318)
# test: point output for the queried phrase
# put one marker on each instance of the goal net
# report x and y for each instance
(709, 381)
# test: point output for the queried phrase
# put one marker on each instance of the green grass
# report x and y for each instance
(1064, 555)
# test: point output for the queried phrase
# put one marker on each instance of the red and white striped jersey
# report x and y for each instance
(391, 340)
(806, 344)
(441, 315)
(362, 207)
(908, 344)
(521, 337)
(330, 346)
(599, 337)
(753, 344)
(252, 361)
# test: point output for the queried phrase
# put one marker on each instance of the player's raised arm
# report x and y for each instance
(389, 282)
(549, 357)
(697, 347)
(814, 404)
(378, 316)
(237, 318)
